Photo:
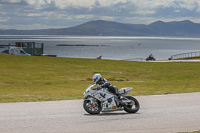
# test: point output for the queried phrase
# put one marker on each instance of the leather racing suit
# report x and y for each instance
(104, 83)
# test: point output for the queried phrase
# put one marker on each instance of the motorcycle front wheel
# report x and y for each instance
(92, 109)
(132, 108)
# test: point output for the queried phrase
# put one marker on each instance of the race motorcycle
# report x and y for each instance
(101, 100)
(151, 58)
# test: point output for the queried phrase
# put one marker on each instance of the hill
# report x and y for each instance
(110, 28)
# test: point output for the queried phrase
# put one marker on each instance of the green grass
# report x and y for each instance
(32, 78)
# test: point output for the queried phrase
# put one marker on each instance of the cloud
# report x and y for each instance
(89, 4)
(10, 1)
(3, 19)
(139, 6)
(34, 14)
(72, 12)
(108, 18)
(63, 4)
(30, 27)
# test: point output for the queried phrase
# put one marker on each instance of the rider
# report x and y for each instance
(101, 83)
(150, 56)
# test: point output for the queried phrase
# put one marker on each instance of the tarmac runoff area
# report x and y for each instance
(158, 114)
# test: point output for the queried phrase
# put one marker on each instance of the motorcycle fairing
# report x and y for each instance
(125, 91)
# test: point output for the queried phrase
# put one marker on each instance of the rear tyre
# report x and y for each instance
(92, 109)
(132, 108)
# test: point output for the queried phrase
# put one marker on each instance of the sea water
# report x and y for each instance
(112, 47)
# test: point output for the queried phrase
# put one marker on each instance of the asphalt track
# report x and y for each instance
(158, 114)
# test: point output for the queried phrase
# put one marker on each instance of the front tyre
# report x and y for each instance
(133, 107)
(92, 108)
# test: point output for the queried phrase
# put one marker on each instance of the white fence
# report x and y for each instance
(185, 55)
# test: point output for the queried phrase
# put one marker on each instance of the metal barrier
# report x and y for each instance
(135, 59)
(185, 55)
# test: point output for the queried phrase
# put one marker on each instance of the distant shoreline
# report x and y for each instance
(78, 45)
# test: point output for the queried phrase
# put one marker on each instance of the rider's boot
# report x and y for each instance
(119, 97)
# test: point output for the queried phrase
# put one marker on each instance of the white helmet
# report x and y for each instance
(96, 78)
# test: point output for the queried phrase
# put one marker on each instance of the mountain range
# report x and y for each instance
(184, 28)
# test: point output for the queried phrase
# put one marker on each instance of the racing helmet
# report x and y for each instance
(96, 78)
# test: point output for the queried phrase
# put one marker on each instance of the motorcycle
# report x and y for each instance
(101, 100)
(150, 58)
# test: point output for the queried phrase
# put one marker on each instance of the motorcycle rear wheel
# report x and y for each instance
(132, 108)
(92, 109)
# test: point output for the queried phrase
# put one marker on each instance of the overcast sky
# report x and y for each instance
(42, 14)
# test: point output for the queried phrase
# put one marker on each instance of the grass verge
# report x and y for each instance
(31, 78)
